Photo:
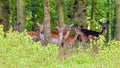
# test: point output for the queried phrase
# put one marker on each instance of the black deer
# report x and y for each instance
(90, 34)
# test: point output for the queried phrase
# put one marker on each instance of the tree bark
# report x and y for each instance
(93, 12)
(108, 27)
(60, 13)
(118, 19)
(1, 18)
(21, 14)
(61, 17)
(46, 22)
(6, 15)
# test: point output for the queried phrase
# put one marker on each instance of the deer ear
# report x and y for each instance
(19, 23)
(64, 25)
(71, 25)
(100, 22)
(38, 24)
(107, 22)
(75, 29)
(57, 27)
(79, 27)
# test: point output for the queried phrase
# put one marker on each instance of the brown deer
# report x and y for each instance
(55, 34)
(33, 34)
(68, 44)
(70, 40)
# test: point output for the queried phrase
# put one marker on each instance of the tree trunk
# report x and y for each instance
(33, 5)
(46, 22)
(61, 16)
(113, 25)
(6, 14)
(93, 12)
(118, 19)
(1, 18)
(21, 14)
(108, 28)
(60, 13)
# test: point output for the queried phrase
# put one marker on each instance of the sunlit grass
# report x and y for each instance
(18, 50)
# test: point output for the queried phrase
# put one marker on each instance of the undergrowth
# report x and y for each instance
(18, 50)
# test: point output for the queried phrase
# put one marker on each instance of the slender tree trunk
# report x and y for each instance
(61, 16)
(46, 22)
(6, 14)
(113, 28)
(13, 12)
(107, 34)
(118, 19)
(93, 12)
(21, 14)
(33, 5)
(60, 13)
(1, 18)
(34, 21)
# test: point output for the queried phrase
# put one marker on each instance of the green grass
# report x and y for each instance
(18, 50)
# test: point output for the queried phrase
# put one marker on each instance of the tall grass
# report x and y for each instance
(18, 50)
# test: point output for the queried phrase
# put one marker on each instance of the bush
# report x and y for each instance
(19, 50)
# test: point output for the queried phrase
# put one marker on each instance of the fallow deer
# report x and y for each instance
(90, 34)
(70, 40)
(61, 32)
(55, 34)
(33, 34)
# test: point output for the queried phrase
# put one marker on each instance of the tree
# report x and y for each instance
(60, 15)
(1, 13)
(5, 14)
(46, 22)
(21, 14)
(108, 29)
(118, 19)
(93, 13)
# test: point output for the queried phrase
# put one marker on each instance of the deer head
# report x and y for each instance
(41, 27)
(41, 33)
(16, 26)
(104, 26)
(61, 30)
(67, 30)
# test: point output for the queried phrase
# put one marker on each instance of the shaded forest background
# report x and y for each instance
(85, 12)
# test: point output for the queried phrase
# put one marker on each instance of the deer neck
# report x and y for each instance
(60, 37)
(75, 37)
(102, 31)
(66, 35)
(41, 36)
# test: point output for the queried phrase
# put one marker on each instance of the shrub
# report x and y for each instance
(19, 50)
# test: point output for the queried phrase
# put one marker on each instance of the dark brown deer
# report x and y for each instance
(90, 34)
